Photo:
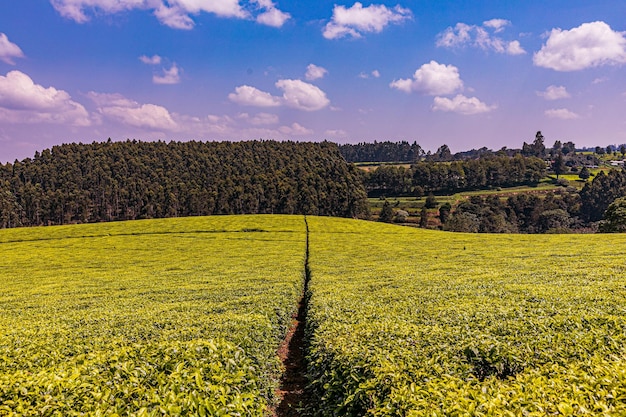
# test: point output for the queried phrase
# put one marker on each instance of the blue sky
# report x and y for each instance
(464, 73)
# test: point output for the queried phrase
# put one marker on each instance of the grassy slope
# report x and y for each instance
(119, 317)
(417, 322)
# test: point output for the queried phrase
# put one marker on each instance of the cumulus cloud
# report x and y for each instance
(251, 96)
(302, 96)
(313, 72)
(175, 13)
(272, 16)
(23, 101)
(170, 76)
(128, 112)
(564, 114)
(9, 50)
(461, 104)
(588, 45)
(481, 36)
(357, 20)
(432, 79)
(296, 94)
(260, 119)
(497, 25)
(174, 17)
(554, 92)
(150, 60)
(295, 130)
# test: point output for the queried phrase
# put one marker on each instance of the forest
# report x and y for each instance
(539, 199)
(84, 183)
(110, 181)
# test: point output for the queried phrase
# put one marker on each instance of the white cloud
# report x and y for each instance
(23, 101)
(260, 119)
(313, 72)
(455, 37)
(482, 37)
(301, 95)
(336, 133)
(273, 17)
(356, 20)
(151, 119)
(150, 60)
(461, 104)
(296, 94)
(251, 96)
(175, 13)
(174, 17)
(295, 130)
(433, 79)
(588, 45)
(9, 50)
(514, 48)
(148, 116)
(554, 92)
(170, 76)
(128, 112)
(365, 75)
(564, 114)
(497, 25)
(270, 16)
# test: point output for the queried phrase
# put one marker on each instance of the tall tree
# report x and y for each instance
(615, 217)
(386, 213)
(558, 165)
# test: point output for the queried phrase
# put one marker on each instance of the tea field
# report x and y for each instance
(147, 318)
(407, 322)
(184, 317)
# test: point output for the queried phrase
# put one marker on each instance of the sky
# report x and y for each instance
(463, 73)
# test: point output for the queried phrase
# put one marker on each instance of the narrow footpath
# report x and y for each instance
(292, 353)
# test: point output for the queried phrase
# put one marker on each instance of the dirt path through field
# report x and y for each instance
(292, 354)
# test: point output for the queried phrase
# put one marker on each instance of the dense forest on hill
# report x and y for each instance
(79, 183)
(76, 183)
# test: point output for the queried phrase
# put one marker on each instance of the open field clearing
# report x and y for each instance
(146, 318)
(185, 317)
(409, 322)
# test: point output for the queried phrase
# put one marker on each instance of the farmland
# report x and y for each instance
(185, 317)
(411, 322)
(144, 318)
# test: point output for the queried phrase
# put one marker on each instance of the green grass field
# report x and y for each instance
(411, 322)
(185, 317)
(146, 318)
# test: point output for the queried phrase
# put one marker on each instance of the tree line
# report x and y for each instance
(600, 205)
(78, 183)
(385, 151)
(426, 177)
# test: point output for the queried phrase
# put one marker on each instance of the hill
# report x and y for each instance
(174, 316)
(84, 183)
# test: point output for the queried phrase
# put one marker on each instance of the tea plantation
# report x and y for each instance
(185, 317)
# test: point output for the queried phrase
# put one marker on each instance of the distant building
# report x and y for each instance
(617, 163)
